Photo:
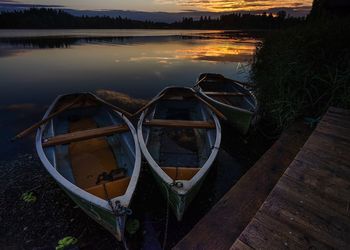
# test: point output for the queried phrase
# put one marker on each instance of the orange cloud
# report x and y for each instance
(238, 5)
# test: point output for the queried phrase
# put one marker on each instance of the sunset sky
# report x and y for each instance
(170, 5)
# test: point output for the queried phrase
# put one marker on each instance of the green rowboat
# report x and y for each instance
(179, 136)
(234, 100)
(92, 152)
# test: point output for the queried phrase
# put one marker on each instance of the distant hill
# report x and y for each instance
(164, 17)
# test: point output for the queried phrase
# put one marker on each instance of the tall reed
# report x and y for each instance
(301, 71)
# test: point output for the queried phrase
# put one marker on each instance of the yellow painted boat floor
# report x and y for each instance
(89, 158)
(181, 173)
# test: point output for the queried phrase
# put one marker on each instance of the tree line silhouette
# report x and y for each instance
(43, 18)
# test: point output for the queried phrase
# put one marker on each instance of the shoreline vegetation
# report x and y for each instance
(302, 70)
(44, 18)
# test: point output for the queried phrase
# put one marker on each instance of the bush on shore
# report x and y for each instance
(301, 71)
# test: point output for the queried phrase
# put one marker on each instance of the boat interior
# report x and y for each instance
(101, 165)
(179, 134)
(227, 92)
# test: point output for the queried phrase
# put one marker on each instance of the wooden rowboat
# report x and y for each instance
(234, 100)
(93, 154)
(179, 136)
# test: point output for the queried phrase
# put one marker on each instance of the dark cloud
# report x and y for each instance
(11, 4)
(7, 1)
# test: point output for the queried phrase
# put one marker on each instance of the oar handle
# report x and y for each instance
(43, 121)
(124, 112)
(215, 110)
(200, 81)
(148, 105)
(245, 84)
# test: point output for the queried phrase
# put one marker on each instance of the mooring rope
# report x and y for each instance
(120, 211)
(166, 218)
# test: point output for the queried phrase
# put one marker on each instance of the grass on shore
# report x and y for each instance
(301, 71)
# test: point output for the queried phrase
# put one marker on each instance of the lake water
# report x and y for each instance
(38, 65)
(35, 66)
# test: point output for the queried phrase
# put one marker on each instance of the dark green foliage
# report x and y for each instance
(327, 8)
(303, 70)
(241, 21)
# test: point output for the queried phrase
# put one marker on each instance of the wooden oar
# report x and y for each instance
(179, 124)
(246, 84)
(224, 93)
(148, 105)
(215, 110)
(38, 124)
(200, 81)
(111, 106)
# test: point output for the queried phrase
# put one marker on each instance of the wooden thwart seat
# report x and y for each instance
(179, 123)
(181, 173)
(225, 93)
(114, 188)
(84, 135)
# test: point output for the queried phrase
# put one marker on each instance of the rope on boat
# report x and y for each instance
(119, 210)
(167, 217)
(177, 184)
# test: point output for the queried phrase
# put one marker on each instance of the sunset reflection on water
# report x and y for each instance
(137, 66)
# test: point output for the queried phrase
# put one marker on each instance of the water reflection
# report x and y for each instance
(36, 69)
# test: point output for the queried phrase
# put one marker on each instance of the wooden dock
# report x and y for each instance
(308, 207)
(226, 220)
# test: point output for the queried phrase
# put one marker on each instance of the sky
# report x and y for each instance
(170, 5)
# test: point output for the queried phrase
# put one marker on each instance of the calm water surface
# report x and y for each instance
(38, 65)
(139, 63)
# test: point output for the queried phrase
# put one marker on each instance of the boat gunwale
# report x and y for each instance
(71, 187)
(202, 92)
(187, 184)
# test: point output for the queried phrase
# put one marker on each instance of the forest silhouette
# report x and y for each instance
(43, 18)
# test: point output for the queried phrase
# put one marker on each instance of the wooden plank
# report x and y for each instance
(288, 234)
(227, 219)
(225, 93)
(84, 135)
(336, 120)
(329, 230)
(340, 111)
(320, 178)
(321, 158)
(310, 203)
(179, 124)
(333, 130)
(318, 197)
(240, 246)
(336, 148)
(317, 202)
(254, 237)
